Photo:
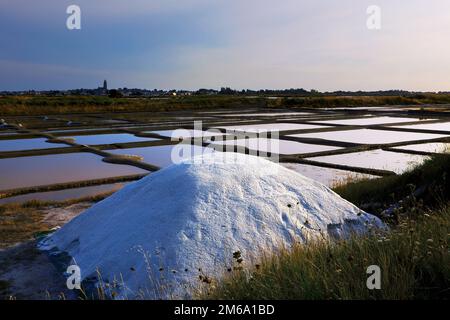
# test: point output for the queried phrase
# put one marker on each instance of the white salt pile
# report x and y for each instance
(166, 233)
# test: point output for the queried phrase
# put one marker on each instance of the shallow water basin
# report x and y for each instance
(369, 136)
(375, 159)
(28, 144)
(275, 145)
(438, 147)
(108, 138)
(62, 195)
(272, 127)
(60, 168)
(444, 126)
(370, 120)
(163, 156)
(327, 176)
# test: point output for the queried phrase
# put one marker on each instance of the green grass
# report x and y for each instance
(414, 260)
(43, 105)
(432, 176)
(4, 287)
(414, 256)
(358, 101)
(32, 105)
(21, 222)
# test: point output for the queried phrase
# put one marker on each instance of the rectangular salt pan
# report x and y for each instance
(369, 136)
(445, 126)
(163, 156)
(268, 114)
(108, 138)
(327, 176)
(376, 159)
(51, 169)
(184, 133)
(28, 144)
(66, 194)
(370, 121)
(428, 147)
(276, 146)
(272, 127)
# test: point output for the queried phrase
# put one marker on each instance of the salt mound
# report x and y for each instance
(165, 233)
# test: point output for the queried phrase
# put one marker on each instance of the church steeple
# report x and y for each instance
(105, 85)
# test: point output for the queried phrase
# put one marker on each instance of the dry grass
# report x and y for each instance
(433, 175)
(4, 288)
(21, 222)
(32, 105)
(414, 256)
(414, 259)
(42, 105)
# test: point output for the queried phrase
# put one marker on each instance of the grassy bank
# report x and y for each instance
(32, 105)
(427, 185)
(358, 101)
(21, 222)
(414, 260)
(41, 105)
(414, 256)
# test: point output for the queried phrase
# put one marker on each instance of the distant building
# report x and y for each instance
(102, 91)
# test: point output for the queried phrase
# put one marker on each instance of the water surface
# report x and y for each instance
(67, 194)
(108, 138)
(276, 145)
(279, 114)
(444, 126)
(28, 144)
(272, 127)
(369, 136)
(185, 133)
(370, 120)
(438, 147)
(376, 159)
(59, 168)
(163, 156)
(327, 176)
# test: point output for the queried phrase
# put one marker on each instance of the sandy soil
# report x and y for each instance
(28, 273)
(55, 217)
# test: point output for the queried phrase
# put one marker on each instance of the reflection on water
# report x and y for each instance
(445, 126)
(50, 169)
(72, 130)
(184, 133)
(279, 114)
(327, 176)
(225, 111)
(273, 127)
(438, 147)
(277, 146)
(162, 156)
(368, 121)
(27, 144)
(376, 159)
(109, 138)
(369, 136)
(112, 121)
(62, 195)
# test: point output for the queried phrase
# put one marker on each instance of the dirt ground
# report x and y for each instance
(28, 273)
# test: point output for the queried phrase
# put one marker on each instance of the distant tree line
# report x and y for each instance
(292, 92)
(316, 93)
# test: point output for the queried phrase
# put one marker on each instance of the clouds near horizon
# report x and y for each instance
(189, 44)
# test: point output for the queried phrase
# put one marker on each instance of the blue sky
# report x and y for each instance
(188, 44)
